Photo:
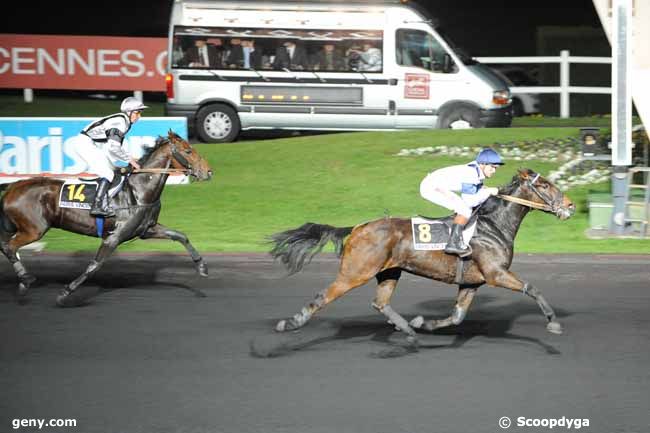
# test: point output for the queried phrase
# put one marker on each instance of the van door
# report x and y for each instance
(427, 78)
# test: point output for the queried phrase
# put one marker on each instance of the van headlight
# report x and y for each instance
(501, 97)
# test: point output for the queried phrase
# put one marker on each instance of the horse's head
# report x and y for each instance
(184, 156)
(536, 188)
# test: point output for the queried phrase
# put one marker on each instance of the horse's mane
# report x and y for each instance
(160, 141)
(494, 203)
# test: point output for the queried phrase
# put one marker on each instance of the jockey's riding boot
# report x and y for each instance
(100, 206)
(456, 245)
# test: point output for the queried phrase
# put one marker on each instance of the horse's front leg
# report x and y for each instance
(508, 280)
(159, 231)
(463, 301)
(66, 298)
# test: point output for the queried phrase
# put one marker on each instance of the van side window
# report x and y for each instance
(277, 49)
(420, 49)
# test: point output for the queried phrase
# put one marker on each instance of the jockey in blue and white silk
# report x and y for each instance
(460, 188)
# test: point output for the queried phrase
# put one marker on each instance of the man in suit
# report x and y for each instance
(290, 56)
(202, 55)
(328, 59)
(251, 56)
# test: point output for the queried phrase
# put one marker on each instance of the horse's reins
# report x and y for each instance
(548, 205)
(161, 170)
(177, 155)
(524, 202)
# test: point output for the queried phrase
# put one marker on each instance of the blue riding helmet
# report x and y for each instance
(489, 156)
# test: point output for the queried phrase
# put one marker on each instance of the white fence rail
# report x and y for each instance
(565, 88)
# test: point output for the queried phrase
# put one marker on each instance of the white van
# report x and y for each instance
(239, 65)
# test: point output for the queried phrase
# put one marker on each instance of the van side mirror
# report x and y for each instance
(447, 64)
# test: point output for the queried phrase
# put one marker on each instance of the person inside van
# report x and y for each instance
(441, 187)
(235, 57)
(252, 57)
(202, 54)
(367, 59)
(328, 59)
(290, 56)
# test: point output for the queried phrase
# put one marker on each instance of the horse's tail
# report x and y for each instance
(298, 246)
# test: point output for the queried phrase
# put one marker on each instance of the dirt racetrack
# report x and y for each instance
(162, 350)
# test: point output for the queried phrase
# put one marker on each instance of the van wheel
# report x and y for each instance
(217, 123)
(462, 117)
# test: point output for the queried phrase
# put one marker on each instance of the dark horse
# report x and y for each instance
(29, 208)
(384, 248)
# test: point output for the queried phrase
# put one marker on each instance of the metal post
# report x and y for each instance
(138, 95)
(621, 109)
(565, 110)
(28, 95)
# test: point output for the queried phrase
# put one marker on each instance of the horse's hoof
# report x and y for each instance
(62, 298)
(28, 279)
(417, 322)
(281, 326)
(22, 290)
(554, 327)
(203, 270)
(412, 341)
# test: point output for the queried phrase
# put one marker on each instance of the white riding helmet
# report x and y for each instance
(132, 104)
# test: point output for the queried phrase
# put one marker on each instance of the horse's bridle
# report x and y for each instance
(550, 205)
(176, 154)
(553, 205)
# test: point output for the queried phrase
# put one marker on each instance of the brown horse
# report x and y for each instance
(384, 248)
(29, 208)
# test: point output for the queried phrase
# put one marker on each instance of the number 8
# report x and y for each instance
(424, 232)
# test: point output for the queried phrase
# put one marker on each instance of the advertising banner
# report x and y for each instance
(82, 62)
(37, 146)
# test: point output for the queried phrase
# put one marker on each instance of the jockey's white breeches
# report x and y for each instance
(94, 155)
(443, 197)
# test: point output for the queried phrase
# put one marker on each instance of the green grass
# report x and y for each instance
(261, 187)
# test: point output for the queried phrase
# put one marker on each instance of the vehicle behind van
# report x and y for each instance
(237, 66)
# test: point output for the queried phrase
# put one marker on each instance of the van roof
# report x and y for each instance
(324, 5)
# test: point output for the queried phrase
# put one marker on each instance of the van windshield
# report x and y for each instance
(462, 54)
(420, 49)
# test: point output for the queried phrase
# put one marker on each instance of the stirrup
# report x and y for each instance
(458, 252)
(102, 213)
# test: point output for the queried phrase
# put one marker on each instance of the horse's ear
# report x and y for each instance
(525, 173)
(170, 133)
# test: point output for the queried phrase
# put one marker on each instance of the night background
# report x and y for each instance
(484, 28)
(481, 28)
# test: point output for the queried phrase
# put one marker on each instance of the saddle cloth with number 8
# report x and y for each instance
(433, 234)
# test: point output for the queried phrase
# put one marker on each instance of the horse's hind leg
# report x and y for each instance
(363, 257)
(10, 250)
(463, 301)
(387, 282)
(338, 288)
(159, 231)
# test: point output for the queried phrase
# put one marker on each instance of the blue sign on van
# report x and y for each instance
(34, 145)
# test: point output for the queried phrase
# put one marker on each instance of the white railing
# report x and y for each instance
(565, 88)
